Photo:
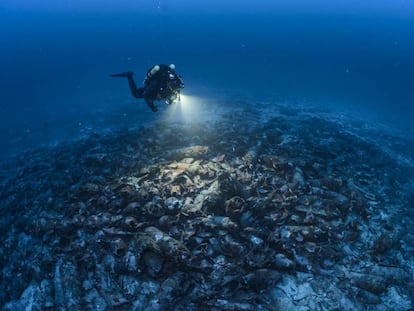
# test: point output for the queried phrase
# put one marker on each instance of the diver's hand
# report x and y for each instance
(151, 105)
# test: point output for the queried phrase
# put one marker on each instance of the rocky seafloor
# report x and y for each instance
(294, 211)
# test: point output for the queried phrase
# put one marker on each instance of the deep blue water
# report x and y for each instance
(55, 58)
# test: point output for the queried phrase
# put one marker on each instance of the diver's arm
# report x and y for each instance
(150, 104)
(150, 93)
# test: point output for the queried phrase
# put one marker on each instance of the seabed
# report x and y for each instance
(270, 207)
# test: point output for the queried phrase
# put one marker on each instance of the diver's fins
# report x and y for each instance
(123, 74)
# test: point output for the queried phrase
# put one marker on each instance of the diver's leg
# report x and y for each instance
(136, 92)
(151, 90)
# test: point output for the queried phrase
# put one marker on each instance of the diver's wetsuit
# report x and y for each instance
(161, 82)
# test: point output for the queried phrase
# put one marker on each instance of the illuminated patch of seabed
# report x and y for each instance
(192, 109)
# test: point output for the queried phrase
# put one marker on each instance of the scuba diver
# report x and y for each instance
(161, 82)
